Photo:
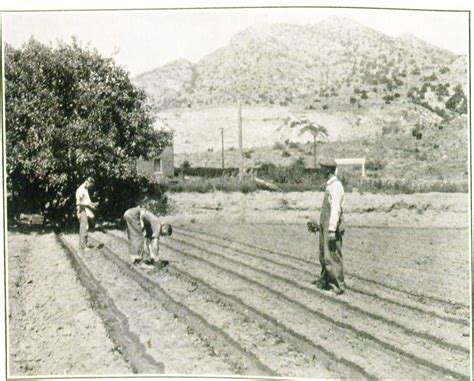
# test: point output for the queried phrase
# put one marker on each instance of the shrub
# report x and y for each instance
(408, 186)
(422, 156)
(293, 177)
(375, 164)
(279, 146)
(430, 78)
(205, 185)
(391, 128)
(458, 101)
(206, 172)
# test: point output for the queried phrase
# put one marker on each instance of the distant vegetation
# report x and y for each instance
(298, 177)
(314, 182)
(431, 157)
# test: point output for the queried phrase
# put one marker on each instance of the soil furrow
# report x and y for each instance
(243, 362)
(364, 287)
(209, 352)
(297, 315)
(281, 334)
(165, 334)
(114, 320)
(446, 305)
(400, 256)
(375, 227)
(266, 279)
(331, 361)
(255, 338)
(451, 335)
(294, 322)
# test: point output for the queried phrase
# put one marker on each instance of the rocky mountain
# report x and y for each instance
(335, 64)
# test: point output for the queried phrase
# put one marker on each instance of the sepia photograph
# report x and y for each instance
(237, 191)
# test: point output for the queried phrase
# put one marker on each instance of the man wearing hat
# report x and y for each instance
(85, 212)
(331, 230)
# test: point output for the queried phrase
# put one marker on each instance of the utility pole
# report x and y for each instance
(241, 154)
(314, 151)
(222, 139)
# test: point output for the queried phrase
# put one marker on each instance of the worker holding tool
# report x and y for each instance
(331, 229)
(144, 230)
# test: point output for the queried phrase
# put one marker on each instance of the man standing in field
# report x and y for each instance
(331, 230)
(144, 230)
(85, 213)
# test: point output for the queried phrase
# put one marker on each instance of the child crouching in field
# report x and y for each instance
(144, 230)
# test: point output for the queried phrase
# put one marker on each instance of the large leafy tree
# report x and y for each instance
(71, 113)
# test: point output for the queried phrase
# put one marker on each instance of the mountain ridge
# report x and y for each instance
(334, 63)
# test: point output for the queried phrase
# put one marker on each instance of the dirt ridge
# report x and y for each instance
(333, 360)
(385, 345)
(223, 342)
(432, 298)
(425, 371)
(114, 321)
(347, 305)
(302, 270)
(357, 333)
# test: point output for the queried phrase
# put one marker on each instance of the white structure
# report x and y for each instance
(352, 161)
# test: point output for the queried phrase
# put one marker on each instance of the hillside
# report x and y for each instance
(336, 64)
(198, 129)
(439, 155)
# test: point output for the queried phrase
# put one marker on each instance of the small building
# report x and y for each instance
(160, 167)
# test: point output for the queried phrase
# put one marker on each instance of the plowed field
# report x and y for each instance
(237, 299)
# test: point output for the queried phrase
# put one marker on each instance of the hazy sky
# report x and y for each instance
(148, 39)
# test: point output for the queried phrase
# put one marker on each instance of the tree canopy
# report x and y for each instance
(304, 125)
(71, 113)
